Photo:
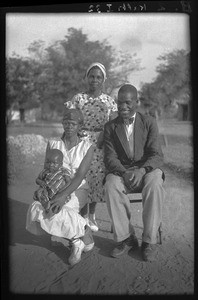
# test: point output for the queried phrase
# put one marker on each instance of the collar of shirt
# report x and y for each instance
(129, 127)
(131, 120)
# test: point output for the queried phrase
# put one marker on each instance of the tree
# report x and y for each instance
(79, 54)
(69, 59)
(174, 73)
(61, 66)
(54, 73)
(37, 51)
(123, 66)
(172, 81)
(19, 85)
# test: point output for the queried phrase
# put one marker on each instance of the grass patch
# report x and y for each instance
(47, 130)
(179, 155)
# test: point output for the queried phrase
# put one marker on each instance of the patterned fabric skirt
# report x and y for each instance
(96, 174)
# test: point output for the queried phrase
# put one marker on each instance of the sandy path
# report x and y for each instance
(38, 267)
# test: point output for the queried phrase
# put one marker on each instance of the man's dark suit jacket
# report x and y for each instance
(147, 148)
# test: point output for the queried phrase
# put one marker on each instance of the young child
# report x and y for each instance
(52, 179)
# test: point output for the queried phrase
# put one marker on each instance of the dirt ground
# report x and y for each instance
(37, 267)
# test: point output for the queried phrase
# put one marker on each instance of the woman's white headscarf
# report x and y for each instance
(100, 66)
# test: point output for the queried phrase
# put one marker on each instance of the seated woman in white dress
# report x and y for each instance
(64, 220)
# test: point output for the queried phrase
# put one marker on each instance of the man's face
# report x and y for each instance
(127, 104)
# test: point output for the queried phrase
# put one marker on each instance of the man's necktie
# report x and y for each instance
(130, 121)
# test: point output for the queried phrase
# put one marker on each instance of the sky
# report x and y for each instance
(149, 35)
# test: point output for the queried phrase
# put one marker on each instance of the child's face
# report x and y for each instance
(70, 127)
(54, 163)
(127, 104)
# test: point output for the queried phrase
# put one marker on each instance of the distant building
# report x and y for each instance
(31, 115)
(184, 112)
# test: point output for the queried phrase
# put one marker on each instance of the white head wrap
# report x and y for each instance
(100, 66)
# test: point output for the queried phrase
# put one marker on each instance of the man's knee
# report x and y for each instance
(154, 178)
(112, 181)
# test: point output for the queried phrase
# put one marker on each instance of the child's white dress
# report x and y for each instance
(68, 223)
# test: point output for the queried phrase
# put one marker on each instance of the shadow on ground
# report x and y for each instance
(19, 235)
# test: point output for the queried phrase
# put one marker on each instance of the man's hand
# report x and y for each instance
(133, 178)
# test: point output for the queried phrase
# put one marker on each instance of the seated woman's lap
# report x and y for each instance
(78, 199)
(67, 223)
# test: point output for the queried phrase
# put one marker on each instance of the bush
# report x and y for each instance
(21, 149)
(15, 159)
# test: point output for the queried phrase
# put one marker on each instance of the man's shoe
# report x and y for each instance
(148, 251)
(125, 246)
(132, 242)
(77, 249)
(88, 239)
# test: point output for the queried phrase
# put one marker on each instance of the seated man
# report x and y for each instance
(133, 159)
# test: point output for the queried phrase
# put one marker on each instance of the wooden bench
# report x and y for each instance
(135, 198)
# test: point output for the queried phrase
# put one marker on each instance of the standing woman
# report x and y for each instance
(97, 108)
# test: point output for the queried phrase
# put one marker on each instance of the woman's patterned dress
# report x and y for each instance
(96, 112)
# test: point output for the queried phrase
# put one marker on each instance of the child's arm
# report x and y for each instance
(67, 180)
(40, 181)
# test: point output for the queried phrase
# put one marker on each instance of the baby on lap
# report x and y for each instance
(52, 179)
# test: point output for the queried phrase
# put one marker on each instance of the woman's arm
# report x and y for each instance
(113, 115)
(113, 109)
(100, 140)
(59, 199)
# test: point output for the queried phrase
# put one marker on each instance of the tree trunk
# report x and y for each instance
(9, 114)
